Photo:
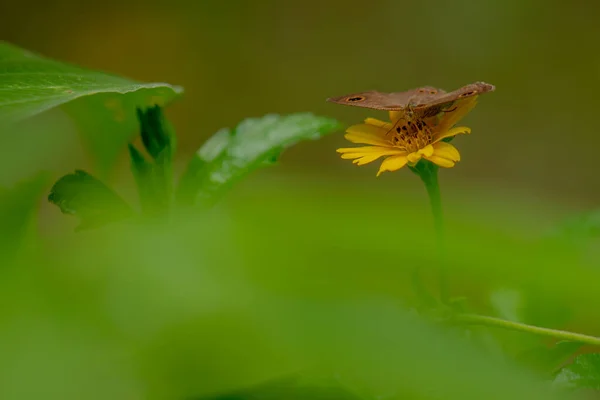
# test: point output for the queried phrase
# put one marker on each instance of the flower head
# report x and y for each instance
(407, 139)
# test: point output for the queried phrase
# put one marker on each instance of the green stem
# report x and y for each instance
(428, 172)
(473, 319)
(435, 199)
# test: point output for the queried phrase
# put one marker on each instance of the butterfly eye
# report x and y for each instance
(468, 93)
(355, 98)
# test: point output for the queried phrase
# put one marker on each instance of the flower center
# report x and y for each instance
(412, 135)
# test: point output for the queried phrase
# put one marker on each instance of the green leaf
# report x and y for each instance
(88, 198)
(584, 372)
(199, 165)
(228, 156)
(102, 105)
(157, 134)
(142, 173)
(154, 178)
(548, 360)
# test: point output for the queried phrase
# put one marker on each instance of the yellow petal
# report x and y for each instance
(452, 132)
(365, 138)
(393, 163)
(413, 158)
(370, 149)
(367, 154)
(442, 162)
(462, 108)
(367, 158)
(380, 124)
(367, 128)
(445, 150)
(426, 151)
(367, 134)
(350, 156)
(396, 115)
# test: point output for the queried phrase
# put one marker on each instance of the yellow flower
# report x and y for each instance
(403, 142)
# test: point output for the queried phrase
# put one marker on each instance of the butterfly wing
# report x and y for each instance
(447, 100)
(447, 109)
(386, 101)
(433, 105)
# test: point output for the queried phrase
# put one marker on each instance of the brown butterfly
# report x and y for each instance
(425, 103)
(417, 99)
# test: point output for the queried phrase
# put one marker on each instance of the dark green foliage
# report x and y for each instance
(583, 373)
(230, 155)
(84, 196)
(102, 105)
(223, 160)
(154, 177)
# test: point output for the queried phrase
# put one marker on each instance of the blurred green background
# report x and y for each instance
(311, 259)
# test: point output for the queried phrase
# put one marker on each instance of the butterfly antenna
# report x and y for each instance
(395, 124)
